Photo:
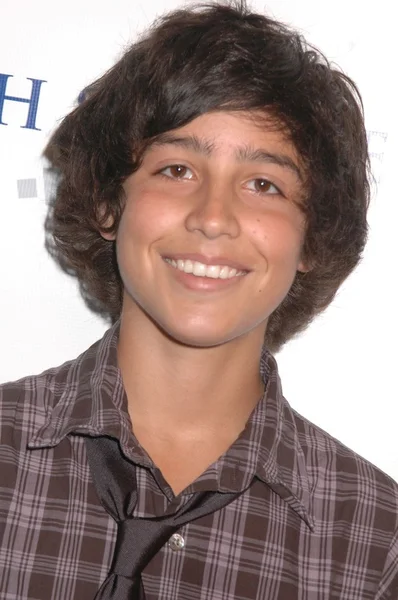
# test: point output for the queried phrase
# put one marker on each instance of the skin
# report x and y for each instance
(189, 353)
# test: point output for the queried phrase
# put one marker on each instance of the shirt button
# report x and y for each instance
(176, 542)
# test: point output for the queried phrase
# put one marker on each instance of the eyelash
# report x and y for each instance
(277, 190)
(162, 173)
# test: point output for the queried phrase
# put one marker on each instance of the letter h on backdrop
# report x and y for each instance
(33, 101)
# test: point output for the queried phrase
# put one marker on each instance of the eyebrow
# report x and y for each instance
(243, 154)
(248, 154)
(189, 142)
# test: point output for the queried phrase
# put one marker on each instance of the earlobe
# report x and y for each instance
(304, 266)
(306, 263)
(109, 236)
(106, 228)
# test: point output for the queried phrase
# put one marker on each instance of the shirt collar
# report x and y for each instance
(268, 449)
(281, 460)
(92, 401)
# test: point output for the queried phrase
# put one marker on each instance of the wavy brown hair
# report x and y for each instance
(191, 61)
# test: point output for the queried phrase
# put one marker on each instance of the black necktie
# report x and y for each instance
(138, 540)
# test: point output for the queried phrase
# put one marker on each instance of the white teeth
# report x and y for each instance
(201, 270)
(188, 266)
(213, 271)
(226, 273)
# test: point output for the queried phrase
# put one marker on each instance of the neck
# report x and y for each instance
(188, 392)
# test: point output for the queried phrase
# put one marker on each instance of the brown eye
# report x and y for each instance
(177, 172)
(262, 186)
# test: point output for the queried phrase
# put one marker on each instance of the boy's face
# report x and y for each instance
(218, 196)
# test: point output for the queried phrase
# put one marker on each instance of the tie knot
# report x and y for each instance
(137, 540)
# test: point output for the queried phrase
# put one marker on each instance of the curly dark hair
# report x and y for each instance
(191, 61)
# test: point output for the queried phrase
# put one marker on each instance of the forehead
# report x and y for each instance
(233, 126)
(237, 135)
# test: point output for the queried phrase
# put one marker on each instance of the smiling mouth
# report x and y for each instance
(199, 269)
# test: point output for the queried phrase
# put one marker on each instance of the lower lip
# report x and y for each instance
(207, 284)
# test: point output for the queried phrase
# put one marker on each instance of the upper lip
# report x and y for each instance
(208, 260)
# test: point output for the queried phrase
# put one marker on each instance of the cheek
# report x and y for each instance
(279, 238)
(147, 216)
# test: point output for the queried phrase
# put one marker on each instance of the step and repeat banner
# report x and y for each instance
(48, 53)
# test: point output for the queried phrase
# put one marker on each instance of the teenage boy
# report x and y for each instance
(212, 198)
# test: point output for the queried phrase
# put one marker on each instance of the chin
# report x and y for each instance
(199, 339)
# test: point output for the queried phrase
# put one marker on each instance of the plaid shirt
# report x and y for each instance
(315, 521)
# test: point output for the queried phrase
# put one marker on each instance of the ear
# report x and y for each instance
(110, 237)
(305, 265)
(107, 235)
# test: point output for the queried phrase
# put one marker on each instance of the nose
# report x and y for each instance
(213, 212)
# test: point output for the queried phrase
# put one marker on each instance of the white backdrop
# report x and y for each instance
(43, 321)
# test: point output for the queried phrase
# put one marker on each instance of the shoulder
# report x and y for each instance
(26, 403)
(38, 402)
(335, 469)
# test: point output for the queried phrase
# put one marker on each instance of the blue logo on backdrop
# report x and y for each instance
(32, 102)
